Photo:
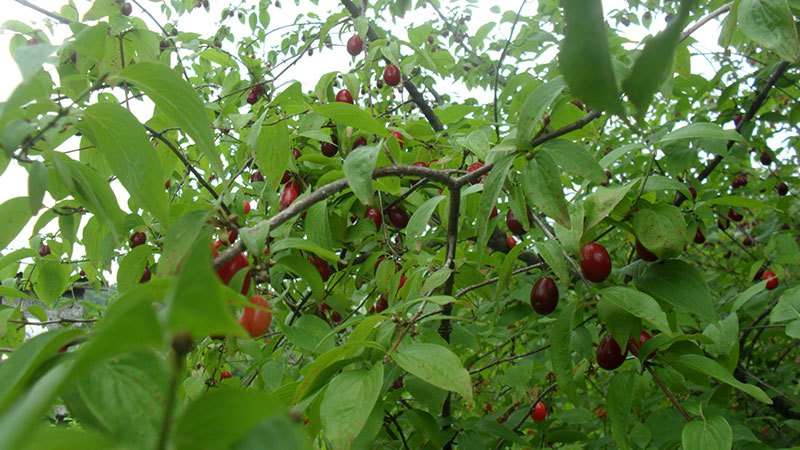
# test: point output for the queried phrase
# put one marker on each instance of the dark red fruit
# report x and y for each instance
(699, 237)
(360, 141)
(510, 242)
(765, 158)
(544, 296)
(391, 75)
(644, 253)
(737, 120)
(693, 191)
(322, 266)
(344, 96)
(513, 224)
(723, 223)
(381, 304)
(634, 346)
(355, 45)
(771, 279)
(400, 140)
(782, 188)
(539, 412)
(255, 94)
(291, 191)
(126, 9)
(398, 216)
(167, 184)
(284, 179)
(146, 275)
(233, 234)
(138, 238)
(246, 207)
(595, 262)
(336, 318)
(747, 241)
(329, 149)
(44, 250)
(374, 214)
(296, 153)
(402, 283)
(398, 383)
(257, 320)
(739, 181)
(225, 374)
(735, 216)
(609, 355)
(472, 168)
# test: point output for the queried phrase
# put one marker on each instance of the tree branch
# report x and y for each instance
(500, 64)
(47, 13)
(711, 16)
(669, 394)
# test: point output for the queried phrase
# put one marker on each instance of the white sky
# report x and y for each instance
(13, 182)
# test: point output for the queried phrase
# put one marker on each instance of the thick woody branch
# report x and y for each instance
(411, 88)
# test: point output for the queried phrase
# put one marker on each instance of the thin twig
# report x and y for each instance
(47, 13)
(500, 65)
(669, 394)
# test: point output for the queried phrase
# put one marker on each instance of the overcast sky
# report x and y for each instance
(14, 180)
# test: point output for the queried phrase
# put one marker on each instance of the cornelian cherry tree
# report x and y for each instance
(517, 226)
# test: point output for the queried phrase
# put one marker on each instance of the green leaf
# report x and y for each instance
(217, 56)
(620, 404)
(770, 23)
(178, 100)
(358, 168)
(273, 152)
(309, 333)
(14, 214)
(195, 303)
(661, 183)
(179, 240)
(506, 268)
(638, 304)
(348, 402)
(418, 222)
(708, 434)
(574, 159)
(221, 417)
(50, 280)
(534, 108)
(37, 184)
(492, 187)
(12, 292)
(749, 293)
(585, 60)
(318, 226)
(64, 438)
(732, 200)
(316, 374)
(351, 115)
(135, 163)
(654, 64)
(788, 307)
(131, 267)
(307, 272)
(553, 254)
(561, 351)
(305, 245)
(541, 181)
(702, 130)
(602, 202)
(661, 228)
(437, 365)
(725, 334)
(679, 284)
(713, 369)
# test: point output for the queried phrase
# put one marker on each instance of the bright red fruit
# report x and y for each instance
(403, 280)
(246, 208)
(322, 266)
(336, 318)
(609, 355)
(233, 234)
(634, 346)
(374, 214)
(510, 242)
(360, 141)
(400, 140)
(291, 191)
(355, 45)
(472, 168)
(595, 262)
(257, 320)
(398, 216)
(225, 374)
(644, 253)
(513, 224)
(344, 96)
(544, 296)
(771, 279)
(391, 75)
(539, 412)
(138, 238)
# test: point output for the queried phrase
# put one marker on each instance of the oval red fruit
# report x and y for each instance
(472, 168)
(322, 266)
(257, 320)
(644, 253)
(138, 238)
(344, 96)
(634, 346)
(374, 214)
(246, 207)
(355, 45)
(513, 224)
(381, 304)
(771, 279)
(398, 216)
(291, 191)
(400, 140)
(609, 355)
(225, 374)
(391, 75)
(595, 262)
(539, 412)
(510, 242)
(329, 149)
(544, 296)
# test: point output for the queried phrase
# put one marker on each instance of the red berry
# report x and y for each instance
(138, 238)
(256, 175)
(595, 262)
(255, 94)
(381, 304)
(398, 383)
(256, 320)
(644, 253)
(167, 184)
(44, 250)
(402, 283)
(355, 45)
(544, 296)
(735, 216)
(739, 181)
(609, 355)
(494, 212)
(291, 191)
(126, 9)
(374, 214)
(765, 158)
(344, 96)
(723, 223)
(329, 149)
(398, 216)
(747, 241)
(284, 179)
(233, 234)
(488, 407)
(737, 120)
(322, 266)
(336, 318)
(782, 188)
(246, 207)
(771, 279)
(400, 140)
(225, 374)
(699, 237)
(539, 412)
(510, 242)
(296, 153)
(693, 191)
(513, 224)
(391, 75)
(146, 275)
(634, 346)
(472, 168)
(361, 141)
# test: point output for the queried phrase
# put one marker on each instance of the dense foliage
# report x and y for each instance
(518, 229)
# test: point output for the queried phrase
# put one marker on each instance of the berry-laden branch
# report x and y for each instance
(411, 88)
